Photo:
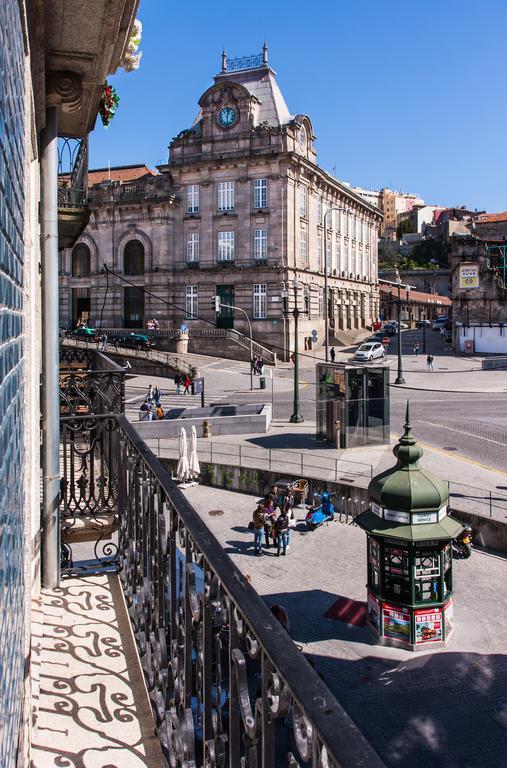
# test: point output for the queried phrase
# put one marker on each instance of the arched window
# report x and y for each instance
(80, 260)
(133, 258)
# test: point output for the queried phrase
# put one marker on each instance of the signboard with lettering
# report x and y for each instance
(428, 626)
(448, 618)
(373, 617)
(197, 386)
(396, 623)
(396, 516)
(469, 275)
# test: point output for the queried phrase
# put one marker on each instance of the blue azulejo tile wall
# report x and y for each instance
(12, 587)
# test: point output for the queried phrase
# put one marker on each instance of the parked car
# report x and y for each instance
(84, 333)
(422, 323)
(378, 336)
(439, 323)
(370, 351)
(446, 335)
(134, 341)
(391, 329)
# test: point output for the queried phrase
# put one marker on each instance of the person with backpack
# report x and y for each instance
(429, 362)
(282, 532)
(258, 528)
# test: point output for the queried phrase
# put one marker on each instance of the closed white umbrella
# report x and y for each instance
(182, 472)
(193, 460)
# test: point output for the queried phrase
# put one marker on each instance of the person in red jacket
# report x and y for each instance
(187, 384)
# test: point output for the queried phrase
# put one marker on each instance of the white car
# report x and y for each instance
(370, 351)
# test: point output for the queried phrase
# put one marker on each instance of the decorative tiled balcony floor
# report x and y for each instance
(92, 709)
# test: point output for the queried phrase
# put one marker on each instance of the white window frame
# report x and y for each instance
(260, 303)
(303, 200)
(260, 244)
(191, 302)
(260, 193)
(225, 246)
(225, 199)
(303, 246)
(192, 246)
(193, 198)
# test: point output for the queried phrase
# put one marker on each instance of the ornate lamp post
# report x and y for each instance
(424, 334)
(409, 551)
(399, 378)
(297, 416)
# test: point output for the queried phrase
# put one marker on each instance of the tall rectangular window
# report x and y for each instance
(321, 302)
(191, 302)
(303, 200)
(303, 246)
(226, 196)
(259, 302)
(226, 246)
(320, 254)
(260, 193)
(319, 210)
(193, 246)
(193, 198)
(260, 244)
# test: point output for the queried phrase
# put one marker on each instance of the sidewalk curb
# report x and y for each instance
(452, 391)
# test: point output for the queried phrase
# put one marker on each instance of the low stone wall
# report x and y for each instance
(487, 532)
(490, 363)
(250, 423)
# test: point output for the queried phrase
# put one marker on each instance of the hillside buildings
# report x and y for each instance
(238, 211)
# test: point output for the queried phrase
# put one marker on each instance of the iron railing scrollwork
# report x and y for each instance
(72, 172)
(228, 687)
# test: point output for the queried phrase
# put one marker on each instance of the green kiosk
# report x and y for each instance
(409, 533)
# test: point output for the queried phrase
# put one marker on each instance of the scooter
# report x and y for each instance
(321, 514)
(462, 544)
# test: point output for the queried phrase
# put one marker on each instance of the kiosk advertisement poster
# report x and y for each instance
(396, 623)
(428, 626)
(373, 613)
(448, 618)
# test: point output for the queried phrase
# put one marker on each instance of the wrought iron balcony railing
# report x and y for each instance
(72, 172)
(227, 685)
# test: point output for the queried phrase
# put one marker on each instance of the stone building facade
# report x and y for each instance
(479, 286)
(237, 211)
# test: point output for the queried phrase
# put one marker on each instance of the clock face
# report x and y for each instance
(227, 117)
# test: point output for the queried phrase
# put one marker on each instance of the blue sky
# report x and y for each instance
(401, 94)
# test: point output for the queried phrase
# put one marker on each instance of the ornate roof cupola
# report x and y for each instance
(409, 532)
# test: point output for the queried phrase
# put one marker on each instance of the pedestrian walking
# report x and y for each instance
(332, 354)
(149, 396)
(254, 364)
(258, 528)
(429, 362)
(292, 359)
(187, 384)
(416, 348)
(178, 382)
(152, 415)
(269, 519)
(260, 365)
(156, 395)
(282, 532)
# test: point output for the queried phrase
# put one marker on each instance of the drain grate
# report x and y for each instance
(215, 512)
(449, 448)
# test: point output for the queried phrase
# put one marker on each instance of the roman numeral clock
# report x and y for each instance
(227, 117)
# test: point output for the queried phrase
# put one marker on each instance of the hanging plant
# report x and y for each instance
(132, 57)
(108, 104)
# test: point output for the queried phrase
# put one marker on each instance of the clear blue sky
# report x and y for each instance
(401, 94)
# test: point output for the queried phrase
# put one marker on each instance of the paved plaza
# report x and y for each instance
(446, 708)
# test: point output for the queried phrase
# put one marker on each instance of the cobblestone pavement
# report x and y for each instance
(442, 709)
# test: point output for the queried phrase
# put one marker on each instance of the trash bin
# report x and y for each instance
(262, 382)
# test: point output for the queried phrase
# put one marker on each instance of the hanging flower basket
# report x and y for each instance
(132, 57)
(108, 104)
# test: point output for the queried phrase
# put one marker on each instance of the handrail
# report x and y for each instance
(170, 359)
(205, 637)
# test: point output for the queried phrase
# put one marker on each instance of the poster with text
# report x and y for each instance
(428, 626)
(396, 623)
(449, 618)
(468, 275)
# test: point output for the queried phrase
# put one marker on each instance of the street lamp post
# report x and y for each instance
(424, 334)
(297, 417)
(399, 378)
(326, 301)
(230, 306)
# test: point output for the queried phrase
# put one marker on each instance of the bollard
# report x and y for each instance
(206, 428)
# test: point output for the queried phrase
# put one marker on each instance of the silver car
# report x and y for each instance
(370, 351)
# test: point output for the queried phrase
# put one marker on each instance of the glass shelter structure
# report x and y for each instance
(352, 404)
(409, 533)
